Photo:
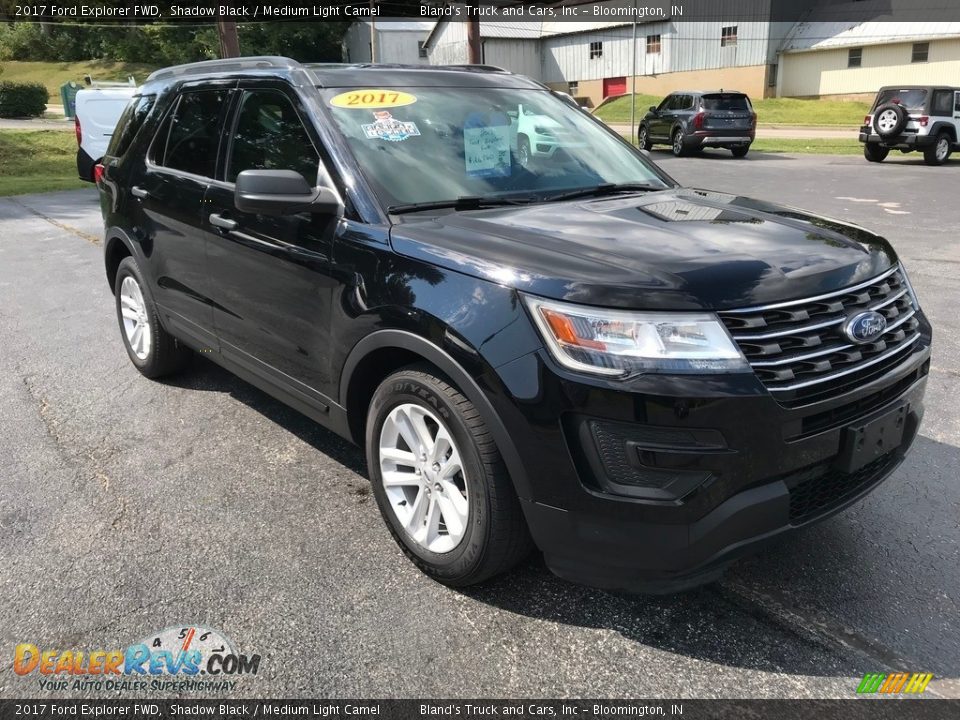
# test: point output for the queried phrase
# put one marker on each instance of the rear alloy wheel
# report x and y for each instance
(937, 153)
(874, 152)
(151, 349)
(643, 138)
(440, 482)
(739, 152)
(677, 143)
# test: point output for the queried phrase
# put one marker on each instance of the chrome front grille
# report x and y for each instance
(798, 349)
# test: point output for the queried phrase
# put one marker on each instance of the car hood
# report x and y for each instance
(674, 249)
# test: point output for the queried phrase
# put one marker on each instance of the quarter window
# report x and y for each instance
(854, 57)
(269, 136)
(942, 102)
(130, 123)
(728, 36)
(188, 140)
(596, 49)
(921, 52)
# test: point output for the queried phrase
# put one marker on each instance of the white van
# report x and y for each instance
(95, 117)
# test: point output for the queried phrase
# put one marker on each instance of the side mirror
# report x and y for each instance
(653, 108)
(281, 192)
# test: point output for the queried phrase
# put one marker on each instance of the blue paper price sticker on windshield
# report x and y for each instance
(387, 127)
(486, 145)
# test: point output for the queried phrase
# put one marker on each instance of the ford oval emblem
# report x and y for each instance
(865, 327)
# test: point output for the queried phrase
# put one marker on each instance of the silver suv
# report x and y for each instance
(911, 118)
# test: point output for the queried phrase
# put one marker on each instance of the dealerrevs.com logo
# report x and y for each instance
(179, 658)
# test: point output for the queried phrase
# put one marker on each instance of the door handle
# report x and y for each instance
(140, 192)
(222, 222)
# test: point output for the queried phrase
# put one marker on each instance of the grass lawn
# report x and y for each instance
(38, 161)
(54, 74)
(777, 111)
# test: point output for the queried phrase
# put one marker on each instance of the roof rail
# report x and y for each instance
(224, 65)
(476, 68)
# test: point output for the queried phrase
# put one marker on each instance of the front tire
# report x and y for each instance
(874, 152)
(524, 154)
(937, 153)
(439, 480)
(643, 138)
(152, 350)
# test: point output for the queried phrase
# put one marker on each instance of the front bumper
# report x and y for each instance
(907, 141)
(745, 468)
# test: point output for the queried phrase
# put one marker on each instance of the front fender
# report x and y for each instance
(468, 385)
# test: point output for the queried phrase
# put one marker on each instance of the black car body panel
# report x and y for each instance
(316, 312)
(672, 250)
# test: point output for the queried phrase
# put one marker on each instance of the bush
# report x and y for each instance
(22, 99)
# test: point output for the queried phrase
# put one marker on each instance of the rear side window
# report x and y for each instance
(189, 138)
(726, 102)
(130, 123)
(942, 103)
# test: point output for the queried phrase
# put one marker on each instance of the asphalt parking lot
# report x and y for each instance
(129, 505)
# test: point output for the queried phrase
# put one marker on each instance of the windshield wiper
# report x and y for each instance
(467, 202)
(601, 190)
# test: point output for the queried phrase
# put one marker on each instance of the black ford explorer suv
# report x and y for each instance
(692, 120)
(642, 380)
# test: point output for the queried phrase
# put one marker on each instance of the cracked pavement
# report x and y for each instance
(128, 506)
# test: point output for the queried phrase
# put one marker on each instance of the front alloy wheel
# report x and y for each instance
(440, 481)
(424, 478)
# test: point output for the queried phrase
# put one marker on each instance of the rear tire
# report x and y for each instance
(676, 143)
(938, 153)
(152, 350)
(459, 527)
(874, 152)
(739, 152)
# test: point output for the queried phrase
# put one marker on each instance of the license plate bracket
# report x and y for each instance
(862, 444)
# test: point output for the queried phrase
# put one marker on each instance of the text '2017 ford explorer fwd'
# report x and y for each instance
(570, 352)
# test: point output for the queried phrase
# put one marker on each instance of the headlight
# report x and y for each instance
(913, 293)
(621, 342)
(541, 130)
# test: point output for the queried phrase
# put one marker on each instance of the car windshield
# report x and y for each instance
(726, 102)
(440, 144)
(912, 99)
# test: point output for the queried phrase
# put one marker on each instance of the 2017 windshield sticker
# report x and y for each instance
(372, 98)
(486, 145)
(386, 127)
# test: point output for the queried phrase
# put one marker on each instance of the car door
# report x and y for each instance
(168, 192)
(660, 126)
(956, 113)
(270, 277)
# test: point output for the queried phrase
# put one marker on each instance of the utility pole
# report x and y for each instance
(373, 32)
(229, 42)
(473, 38)
(633, 76)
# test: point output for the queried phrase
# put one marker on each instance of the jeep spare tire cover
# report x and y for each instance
(890, 119)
